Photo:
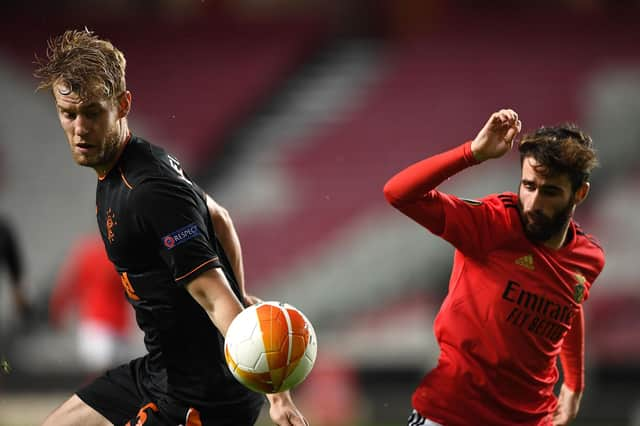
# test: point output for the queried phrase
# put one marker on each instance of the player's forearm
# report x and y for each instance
(224, 310)
(212, 291)
(572, 355)
(418, 179)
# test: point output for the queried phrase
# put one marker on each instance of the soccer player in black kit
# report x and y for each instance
(175, 249)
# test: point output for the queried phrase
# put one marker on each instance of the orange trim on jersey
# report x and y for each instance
(142, 414)
(126, 142)
(124, 179)
(193, 418)
(128, 288)
(196, 268)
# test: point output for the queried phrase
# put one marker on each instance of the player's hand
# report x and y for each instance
(283, 411)
(497, 136)
(568, 406)
(250, 300)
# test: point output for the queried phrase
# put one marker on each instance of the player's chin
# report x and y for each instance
(85, 160)
(536, 232)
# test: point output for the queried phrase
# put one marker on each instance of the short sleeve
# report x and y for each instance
(173, 215)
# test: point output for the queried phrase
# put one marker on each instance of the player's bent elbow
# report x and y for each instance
(389, 194)
(211, 290)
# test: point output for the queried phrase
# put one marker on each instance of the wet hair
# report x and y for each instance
(563, 149)
(83, 64)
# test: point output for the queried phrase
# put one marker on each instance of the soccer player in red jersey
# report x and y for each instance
(521, 270)
(88, 281)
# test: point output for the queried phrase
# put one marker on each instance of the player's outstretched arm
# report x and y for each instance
(496, 137)
(283, 411)
(568, 406)
(213, 292)
(494, 140)
(572, 361)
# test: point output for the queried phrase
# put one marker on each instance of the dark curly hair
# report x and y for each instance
(559, 150)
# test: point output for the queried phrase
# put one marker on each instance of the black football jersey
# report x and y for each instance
(158, 233)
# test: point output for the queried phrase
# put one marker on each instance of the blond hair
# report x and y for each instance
(84, 64)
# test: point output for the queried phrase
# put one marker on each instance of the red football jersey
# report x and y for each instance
(510, 303)
(89, 280)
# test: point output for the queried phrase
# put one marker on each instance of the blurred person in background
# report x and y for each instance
(176, 250)
(331, 395)
(522, 268)
(88, 281)
(11, 259)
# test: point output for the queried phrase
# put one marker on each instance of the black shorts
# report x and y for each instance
(120, 396)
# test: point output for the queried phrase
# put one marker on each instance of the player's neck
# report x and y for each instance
(123, 138)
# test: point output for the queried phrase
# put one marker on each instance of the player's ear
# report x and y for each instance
(582, 193)
(124, 104)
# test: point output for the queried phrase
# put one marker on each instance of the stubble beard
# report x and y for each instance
(104, 155)
(540, 228)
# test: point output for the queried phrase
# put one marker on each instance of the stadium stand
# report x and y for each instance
(423, 100)
(194, 80)
(305, 185)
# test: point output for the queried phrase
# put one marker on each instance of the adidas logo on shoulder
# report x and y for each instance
(526, 261)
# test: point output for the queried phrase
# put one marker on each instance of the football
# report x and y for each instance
(270, 347)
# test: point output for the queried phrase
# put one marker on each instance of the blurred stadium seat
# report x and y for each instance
(314, 142)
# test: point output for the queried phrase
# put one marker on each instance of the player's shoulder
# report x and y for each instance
(146, 163)
(588, 242)
(498, 210)
(587, 238)
(588, 252)
(505, 202)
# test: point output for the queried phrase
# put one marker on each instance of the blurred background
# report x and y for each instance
(293, 114)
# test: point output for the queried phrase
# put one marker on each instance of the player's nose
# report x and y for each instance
(81, 127)
(536, 202)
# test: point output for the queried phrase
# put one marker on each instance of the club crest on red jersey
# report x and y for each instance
(579, 288)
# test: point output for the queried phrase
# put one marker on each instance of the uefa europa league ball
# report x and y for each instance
(270, 347)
